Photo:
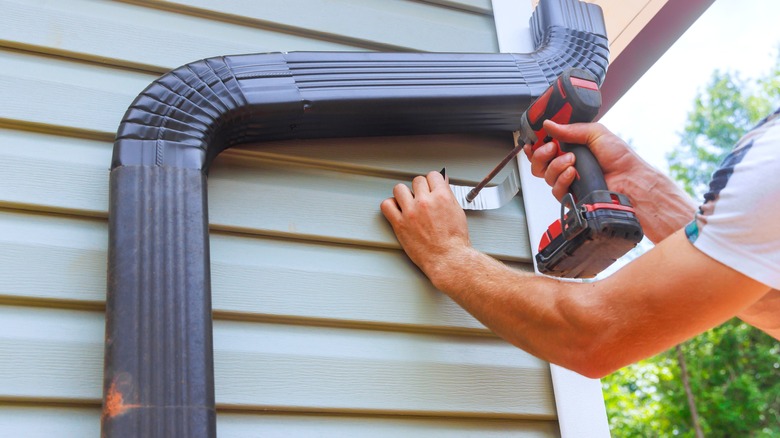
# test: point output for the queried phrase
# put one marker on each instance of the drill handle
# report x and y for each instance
(589, 175)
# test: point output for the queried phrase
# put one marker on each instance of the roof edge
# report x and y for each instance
(666, 27)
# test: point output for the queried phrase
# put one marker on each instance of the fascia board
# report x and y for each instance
(644, 41)
(579, 400)
(640, 32)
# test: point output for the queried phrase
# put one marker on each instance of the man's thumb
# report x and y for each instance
(575, 133)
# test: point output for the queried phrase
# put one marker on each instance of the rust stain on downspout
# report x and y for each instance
(114, 404)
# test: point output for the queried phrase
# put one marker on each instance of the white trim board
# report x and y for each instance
(578, 399)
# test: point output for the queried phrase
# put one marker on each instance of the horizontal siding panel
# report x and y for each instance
(61, 422)
(354, 370)
(66, 95)
(327, 205)
(284, 426)
(479, 6)
(251, 278)
(401, 24)
(255, 195)
(50, 172)
(125, 34)
(47, 422)
(46, 353)
(57, 355)
(325, 282)
(468, 158)
(52, 258)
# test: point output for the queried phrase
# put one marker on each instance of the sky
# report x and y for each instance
(732, 35)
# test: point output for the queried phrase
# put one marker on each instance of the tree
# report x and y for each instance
(734, 369)
(727, 109)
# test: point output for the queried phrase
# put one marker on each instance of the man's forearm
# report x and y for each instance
(538, 314)
(662, 206)
(595, 328)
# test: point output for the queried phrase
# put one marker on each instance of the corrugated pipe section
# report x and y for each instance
(159, 377)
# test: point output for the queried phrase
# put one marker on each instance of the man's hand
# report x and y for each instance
(662, 208)
(618, 162)
(429, 223)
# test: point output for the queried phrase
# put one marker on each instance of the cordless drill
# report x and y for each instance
(597, 226)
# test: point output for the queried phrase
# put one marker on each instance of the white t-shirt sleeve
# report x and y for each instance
(739, 223)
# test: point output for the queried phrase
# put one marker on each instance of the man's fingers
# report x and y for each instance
(528, 151)
(403, 196)
(420, 186)
(541, 159)
(391, 210)
(563, 182)
(436, 181)
(557, 167)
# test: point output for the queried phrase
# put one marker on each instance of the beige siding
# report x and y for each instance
(143, 36)
(292, 367)
(45, 422)
(367, 23)
(322, 325)
(357, 281)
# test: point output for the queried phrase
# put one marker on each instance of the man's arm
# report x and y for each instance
(661, 206)
(666, 296)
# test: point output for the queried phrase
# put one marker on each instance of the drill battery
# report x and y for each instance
(599, 229)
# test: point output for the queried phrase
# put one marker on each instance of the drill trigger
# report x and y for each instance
(573, 223)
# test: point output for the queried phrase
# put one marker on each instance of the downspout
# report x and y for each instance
(159, 377)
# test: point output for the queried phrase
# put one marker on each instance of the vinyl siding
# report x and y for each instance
(322, 325)
(46, 422)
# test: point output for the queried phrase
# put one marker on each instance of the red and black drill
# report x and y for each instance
(596, 226)
(600, 226)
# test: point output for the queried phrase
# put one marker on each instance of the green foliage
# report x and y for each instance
(735, 376)
(734, 369)
(635, 404)
(728, 108)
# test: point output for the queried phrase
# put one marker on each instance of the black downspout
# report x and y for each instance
(159, 377)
